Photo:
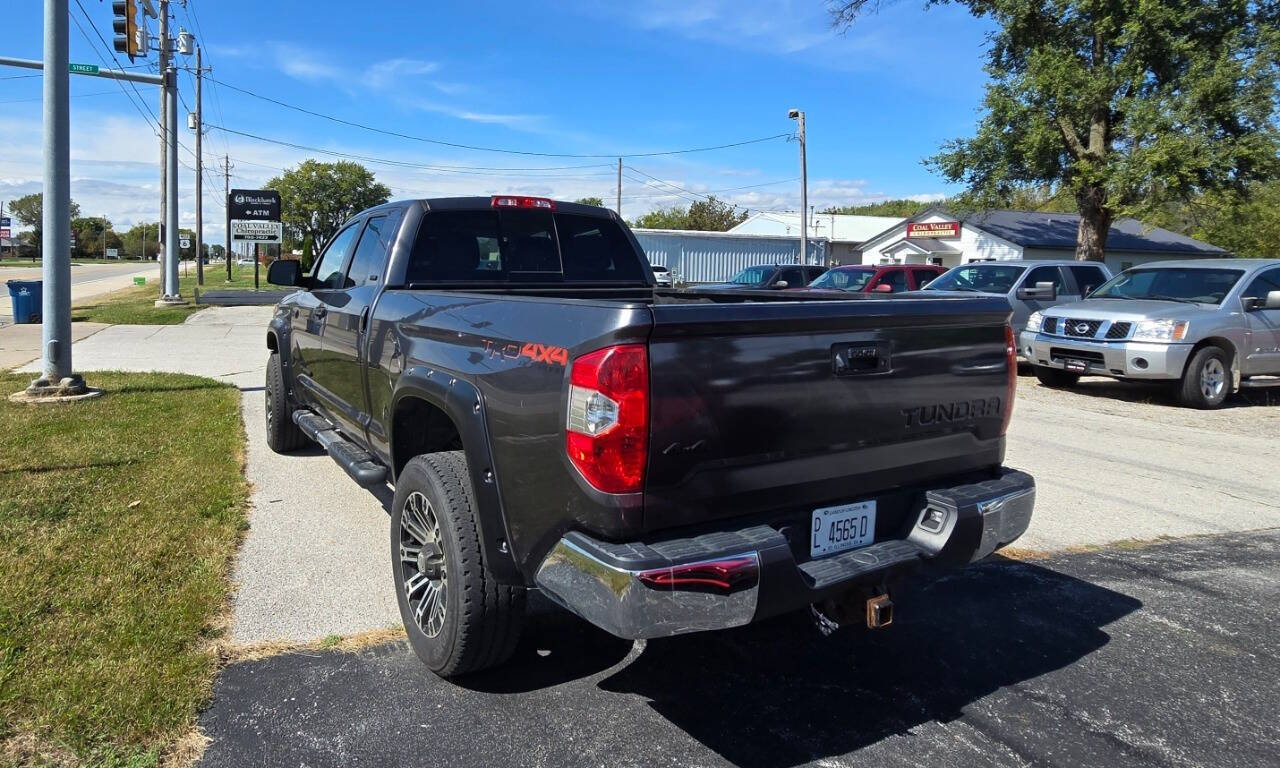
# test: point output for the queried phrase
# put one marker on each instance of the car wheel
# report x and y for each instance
(282, 434)
(1207, 379)
(1058, 379)
(458, 618)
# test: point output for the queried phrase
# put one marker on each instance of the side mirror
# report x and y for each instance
(1041, 292)
(286, 272)
(780, 285)
(924, 283)
(883, 288)
(1255, 303)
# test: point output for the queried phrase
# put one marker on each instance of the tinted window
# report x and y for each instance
(594, 248)
(468, 246)
(814, 272)
(794, 277)
(896, 280)
(1208, 286)
(753, 276)
(984, 278)
(328, 273)
(1088, 278)
(844, 279)
(371, 253)
(1046, 275)
(923, 276)
(1263, 284)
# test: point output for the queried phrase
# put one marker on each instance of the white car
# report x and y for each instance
(244, 262)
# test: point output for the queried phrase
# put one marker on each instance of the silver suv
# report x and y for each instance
(1212, 326)
(1030, 285)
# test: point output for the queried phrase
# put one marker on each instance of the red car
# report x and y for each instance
(876, 278)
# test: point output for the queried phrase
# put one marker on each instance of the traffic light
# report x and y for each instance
(126, 27)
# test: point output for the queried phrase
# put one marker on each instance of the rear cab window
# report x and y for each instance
(493, 246)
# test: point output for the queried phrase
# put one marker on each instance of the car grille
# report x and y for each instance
(1083, 329)
(1118, 330)
(1057, 354)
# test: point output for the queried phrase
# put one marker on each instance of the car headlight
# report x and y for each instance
(1035, 321)
(1161, 330)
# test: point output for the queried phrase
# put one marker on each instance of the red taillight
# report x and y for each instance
(1011, 354)
(607, 432)
(515, 201)
(722, 576)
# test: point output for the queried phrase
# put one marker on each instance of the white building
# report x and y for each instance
(843, 233)
(937, 237)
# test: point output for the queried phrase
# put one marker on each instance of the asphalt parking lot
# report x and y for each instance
(1161, 656)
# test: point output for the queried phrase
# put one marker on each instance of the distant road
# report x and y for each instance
(87, 280)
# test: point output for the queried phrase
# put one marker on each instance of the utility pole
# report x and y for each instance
(798, 116)
(162, 59)
(171, 255)
(619, 208)
(226, 193)
(199, 172)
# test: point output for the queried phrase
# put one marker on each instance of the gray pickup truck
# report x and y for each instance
(1210, 327)
(655, 461)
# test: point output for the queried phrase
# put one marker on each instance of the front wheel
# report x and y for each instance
(1206, 382)
(459, 619)
(1058, 379)
(282, 434)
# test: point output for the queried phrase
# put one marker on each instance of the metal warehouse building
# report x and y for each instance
(712, 257)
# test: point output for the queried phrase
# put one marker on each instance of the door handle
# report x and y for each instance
(364, 320)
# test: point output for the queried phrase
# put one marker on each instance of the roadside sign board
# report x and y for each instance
(253, 205)
(113, 253)
(84, 69)
(184, 243)
(252, 231)
(5, 232)
(5, 222)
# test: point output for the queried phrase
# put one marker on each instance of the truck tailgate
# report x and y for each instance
(760, 407)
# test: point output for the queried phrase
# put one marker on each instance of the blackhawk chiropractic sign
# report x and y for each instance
(253, 215)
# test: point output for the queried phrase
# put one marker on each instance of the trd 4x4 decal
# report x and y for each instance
(538, 353)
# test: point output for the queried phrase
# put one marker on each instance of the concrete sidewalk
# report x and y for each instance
(20, 344)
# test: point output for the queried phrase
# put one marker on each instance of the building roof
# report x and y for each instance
(1037, 229)
(838, 227)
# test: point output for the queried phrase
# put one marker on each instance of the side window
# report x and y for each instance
(1088, 278)
(371, 253)
(896, 280)
(456, 245)
(923, 276)
(328, 272)
(794, 277)
(813, 273)
(1045, 275)
(1263, 284)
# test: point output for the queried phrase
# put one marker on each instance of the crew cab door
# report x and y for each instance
(342, 380)
(1262, 348)
(311, 311)
(1022, 308)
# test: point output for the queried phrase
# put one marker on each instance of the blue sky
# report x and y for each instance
(570, 78)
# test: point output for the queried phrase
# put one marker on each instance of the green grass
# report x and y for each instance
(28, 263)
(118, 521)
(136, 305)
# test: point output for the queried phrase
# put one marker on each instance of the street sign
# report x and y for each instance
(184, 243)
(252, 231)
(253, 205)
(5, 222)
(113, 253)
(5, 232)
(84, 69)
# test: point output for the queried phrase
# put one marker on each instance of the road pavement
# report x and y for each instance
(1165, 656)
(87, 281)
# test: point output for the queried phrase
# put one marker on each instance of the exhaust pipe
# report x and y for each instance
(879, 612)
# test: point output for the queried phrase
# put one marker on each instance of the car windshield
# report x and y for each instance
(843, 279)
(983, 278)
(1186, 284)
(753, 276)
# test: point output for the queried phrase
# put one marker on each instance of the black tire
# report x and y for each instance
(1206, 382)
(1056, 378)
(481, 618)
(282, 434)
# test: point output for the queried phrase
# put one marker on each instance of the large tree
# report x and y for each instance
(29, 210)
(141, 241)
(710, 215)
(316, 198)
(1127, 105)
(93, 233)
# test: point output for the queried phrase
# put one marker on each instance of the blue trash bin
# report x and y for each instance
(26, 296)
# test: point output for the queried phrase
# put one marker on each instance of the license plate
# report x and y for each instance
(1076, 366)
(848, 526)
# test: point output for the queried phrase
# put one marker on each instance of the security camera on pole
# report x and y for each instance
(798, 116)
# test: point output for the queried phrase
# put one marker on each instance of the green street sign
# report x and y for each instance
(85, 69)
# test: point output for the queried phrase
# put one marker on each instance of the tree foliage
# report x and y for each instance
(141, 241)
(902, 208)
(317, 198)
(710, 215)
(29, 210)
(1128, 106)
(596, 201)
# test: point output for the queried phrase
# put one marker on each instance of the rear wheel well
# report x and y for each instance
(273, 343)
(419, 427)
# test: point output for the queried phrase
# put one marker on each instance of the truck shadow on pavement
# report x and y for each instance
(778, 694)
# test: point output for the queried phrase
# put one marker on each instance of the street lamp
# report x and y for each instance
(798, 116)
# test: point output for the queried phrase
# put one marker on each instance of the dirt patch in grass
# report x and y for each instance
(118, 521)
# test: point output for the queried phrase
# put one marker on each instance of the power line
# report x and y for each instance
(478, 148)
(73, 96)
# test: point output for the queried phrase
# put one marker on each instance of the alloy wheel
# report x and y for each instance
(1213, 378)
(422, 563)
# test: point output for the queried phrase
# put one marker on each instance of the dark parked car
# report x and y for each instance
(656, 462)
(871, 278)
(768, 277)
